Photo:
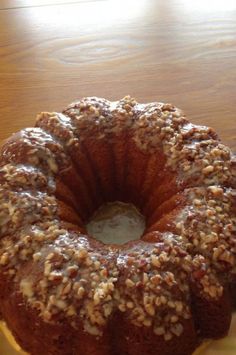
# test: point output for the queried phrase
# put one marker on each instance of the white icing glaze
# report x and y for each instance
(116, 223)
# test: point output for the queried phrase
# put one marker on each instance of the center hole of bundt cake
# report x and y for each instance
(116, 223)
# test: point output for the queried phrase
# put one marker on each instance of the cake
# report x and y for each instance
(64, 292)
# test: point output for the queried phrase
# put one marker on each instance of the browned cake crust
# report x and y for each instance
(62, 291)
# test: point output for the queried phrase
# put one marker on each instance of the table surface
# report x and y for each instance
(179, 51)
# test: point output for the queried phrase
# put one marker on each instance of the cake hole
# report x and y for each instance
(116, 223)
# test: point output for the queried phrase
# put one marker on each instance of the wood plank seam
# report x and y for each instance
(50, 5)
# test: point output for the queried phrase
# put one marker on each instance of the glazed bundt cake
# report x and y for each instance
(64, 292)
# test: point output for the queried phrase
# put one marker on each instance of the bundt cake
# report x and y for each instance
(62, 292)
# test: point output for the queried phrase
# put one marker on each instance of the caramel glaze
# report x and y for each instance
(62, 291)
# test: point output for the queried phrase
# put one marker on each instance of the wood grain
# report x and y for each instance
(178, 51)
(16, 4)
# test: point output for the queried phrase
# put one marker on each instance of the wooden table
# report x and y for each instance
(180, 51)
